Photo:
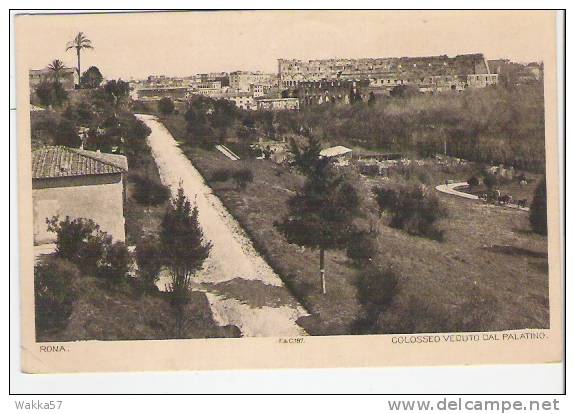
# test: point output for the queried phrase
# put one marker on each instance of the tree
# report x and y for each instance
(45, 93)
(57, 66)
(321, 214)
(184, 250)
(538, 209)
(92, 78)
(79, 43)
(117, 89)
(166, 106)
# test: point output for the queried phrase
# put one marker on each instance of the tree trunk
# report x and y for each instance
(322, 269)
(78, 53)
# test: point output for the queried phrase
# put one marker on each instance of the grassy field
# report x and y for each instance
(491, 269)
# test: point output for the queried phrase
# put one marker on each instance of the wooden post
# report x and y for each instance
(322, 269)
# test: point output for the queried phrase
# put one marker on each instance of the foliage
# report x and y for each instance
(473, 181)
(184, 250)
(386, 198)
(221, 175)
(92, 78)
(149, 259)
(490, 180)
(51, 93)
(117, 90)
(538, 209)
(56, 66)
(115, 264)
(377, 287)
(80, 241)
(54, 292)
(491, 125)
(361, 247)
(242, 178)
(166, 106)
(413, 209)
(149, 192)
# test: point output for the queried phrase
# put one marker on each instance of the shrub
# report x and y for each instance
(243, 177)
(66, 134)
(416, 211)
(115, 264)
(51, 93)
(473, 181)
(412, 209)
(149, 192)
(377, 287)
(149, 260)
(221, 175)
(371, 170)
(361, 247)
(79, 240)
(54, 293)
(490, 181)
(538, 209)
(166, 106)
(386, 198)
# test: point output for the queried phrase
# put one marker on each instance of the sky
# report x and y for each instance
(135, 45)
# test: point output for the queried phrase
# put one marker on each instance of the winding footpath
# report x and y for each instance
(451, 189)
(241, 287)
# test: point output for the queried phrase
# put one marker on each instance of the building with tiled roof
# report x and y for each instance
(80, 184)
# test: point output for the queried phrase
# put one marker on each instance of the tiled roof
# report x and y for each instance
(56, 161)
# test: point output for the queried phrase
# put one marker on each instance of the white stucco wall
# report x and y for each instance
(99, 198)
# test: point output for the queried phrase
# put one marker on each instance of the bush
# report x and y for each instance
(361, 247)
(54, 293)
(538, 209)
(412, 209)
(243, 177)
(115, 264)
(51, 93)
(221, 175)
(371, 170)
(473, 181)
(490, 181)
(79, 240)
(149, 192)
(66, 134)
(166, 106)
(149, 260)
(376, 288)
(386, 198)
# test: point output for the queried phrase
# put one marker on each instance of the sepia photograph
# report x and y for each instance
(289, 174)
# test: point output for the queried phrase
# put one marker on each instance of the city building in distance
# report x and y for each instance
(428, 74)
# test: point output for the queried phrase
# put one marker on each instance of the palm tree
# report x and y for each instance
(80, 42)
(57, 66)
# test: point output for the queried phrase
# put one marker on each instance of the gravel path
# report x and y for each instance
(450, 189)
(241, 287)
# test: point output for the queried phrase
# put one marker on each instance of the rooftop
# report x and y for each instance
(58, 161)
